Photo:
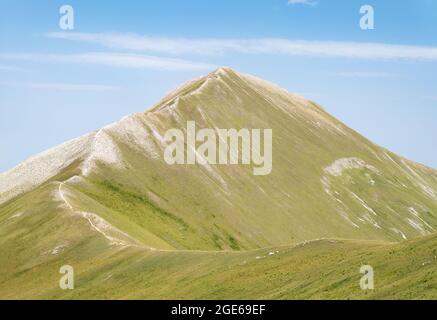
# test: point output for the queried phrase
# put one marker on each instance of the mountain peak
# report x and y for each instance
(224, 70)
(192, 87)
(325, 177)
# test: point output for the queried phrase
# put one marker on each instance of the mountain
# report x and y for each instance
(108, 201)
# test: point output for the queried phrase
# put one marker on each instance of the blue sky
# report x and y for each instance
(123, 56)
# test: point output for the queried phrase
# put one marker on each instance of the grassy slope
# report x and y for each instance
(316, 270)
(188, 207)
(320, 270)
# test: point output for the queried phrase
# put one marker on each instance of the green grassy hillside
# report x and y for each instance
(133, 226)
(327, 180)
(38, 242)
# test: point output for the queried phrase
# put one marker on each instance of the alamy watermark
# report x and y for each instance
(67, 280)
(367, 21)
(66, 21)
(367, 281)
(220, 146)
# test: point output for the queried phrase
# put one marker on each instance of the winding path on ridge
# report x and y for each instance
(115, 241)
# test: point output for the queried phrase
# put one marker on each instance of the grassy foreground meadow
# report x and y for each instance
(325, 269)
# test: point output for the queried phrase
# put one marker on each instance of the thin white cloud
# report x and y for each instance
(60, 86)
(363, 74)
(13, 68)
(307, 2)
(327, 49)
(123, 60)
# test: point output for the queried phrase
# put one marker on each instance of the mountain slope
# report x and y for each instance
(133, 226)
(327, 180)
(325, 269)
(108, 264)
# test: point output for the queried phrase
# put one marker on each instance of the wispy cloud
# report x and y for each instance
(60, 86)
(363, 74)
(13, 68)
(125, 60)
(327, 49)
(307, 2)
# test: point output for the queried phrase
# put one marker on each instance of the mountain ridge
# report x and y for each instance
(225, 98)
(108, 205)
